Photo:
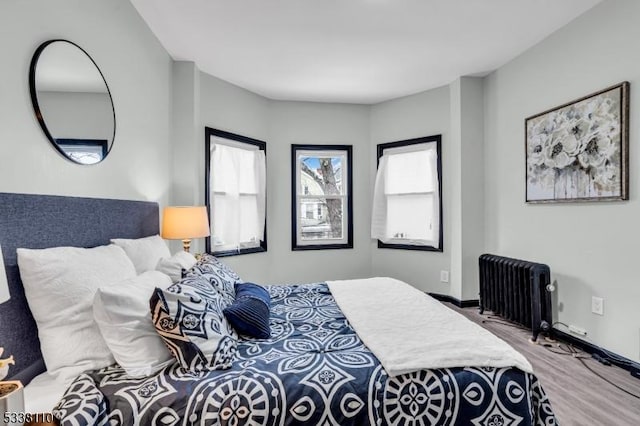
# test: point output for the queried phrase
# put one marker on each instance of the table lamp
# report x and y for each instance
(185, 223)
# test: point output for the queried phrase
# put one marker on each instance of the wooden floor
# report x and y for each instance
(578, 397)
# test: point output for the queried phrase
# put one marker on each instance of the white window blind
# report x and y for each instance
(238, 178)
(406, 201)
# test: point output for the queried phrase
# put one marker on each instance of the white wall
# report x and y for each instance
(137, 70)
(186, 137)
(231, 108)
(592, 248)
(467, 204)
(424, 114)
(316, 123)
(223, 106)
(227, 107)
(281, 124)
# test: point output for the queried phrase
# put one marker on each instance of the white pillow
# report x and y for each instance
(60, 284)
(174, 265)
(144, 252)
(124, 318)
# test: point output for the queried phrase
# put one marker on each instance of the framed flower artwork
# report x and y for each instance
(579, 151)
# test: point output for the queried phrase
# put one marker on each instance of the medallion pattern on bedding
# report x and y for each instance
(219, 275)
(189, 317)
(313, 370)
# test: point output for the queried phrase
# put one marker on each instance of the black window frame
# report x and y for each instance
(262, 145)
(103, 144)
(416, 141)
(294, 196)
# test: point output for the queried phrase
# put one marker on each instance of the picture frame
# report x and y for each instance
(578, 152)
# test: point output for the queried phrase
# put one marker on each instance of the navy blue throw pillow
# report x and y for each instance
(249, 313)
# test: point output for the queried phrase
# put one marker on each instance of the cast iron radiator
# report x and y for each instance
(517, 291)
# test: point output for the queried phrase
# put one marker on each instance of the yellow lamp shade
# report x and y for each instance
(183, 223)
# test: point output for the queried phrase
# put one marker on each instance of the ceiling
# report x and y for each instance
(352, 51)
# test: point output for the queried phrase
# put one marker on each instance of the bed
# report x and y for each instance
(316, 368)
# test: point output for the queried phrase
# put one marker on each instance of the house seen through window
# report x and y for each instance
(321, 199)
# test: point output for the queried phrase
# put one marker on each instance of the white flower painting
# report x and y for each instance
(578, 152)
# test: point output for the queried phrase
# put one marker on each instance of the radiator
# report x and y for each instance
(517, 291)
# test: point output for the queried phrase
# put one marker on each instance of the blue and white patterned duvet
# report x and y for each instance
(313, 370)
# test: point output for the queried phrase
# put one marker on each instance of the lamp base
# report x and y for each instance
(11, 399)
(186, 245)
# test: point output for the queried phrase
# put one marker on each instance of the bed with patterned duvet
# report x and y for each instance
(316, 368)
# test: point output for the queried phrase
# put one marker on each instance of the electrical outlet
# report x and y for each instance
(577, 330)
(597, 305)
(444, 276)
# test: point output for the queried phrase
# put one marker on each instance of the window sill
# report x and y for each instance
(409, 247)
(227, 253)
(322, 247)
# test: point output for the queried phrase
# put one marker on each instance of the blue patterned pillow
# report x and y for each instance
(218, 274)
(189, 317)
(249, 313)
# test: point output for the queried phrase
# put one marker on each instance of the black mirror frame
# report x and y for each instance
(36, 105)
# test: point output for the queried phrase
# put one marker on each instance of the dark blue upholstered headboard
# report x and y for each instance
(43, 221)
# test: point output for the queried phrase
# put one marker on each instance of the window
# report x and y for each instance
(235, 193)
(321, 205)
(407, 202)
(84, 151)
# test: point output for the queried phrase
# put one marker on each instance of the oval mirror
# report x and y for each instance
(72, 101)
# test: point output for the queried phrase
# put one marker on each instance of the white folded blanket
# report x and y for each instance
(408, 330)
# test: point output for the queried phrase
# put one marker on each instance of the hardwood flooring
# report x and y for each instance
(578, 396)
